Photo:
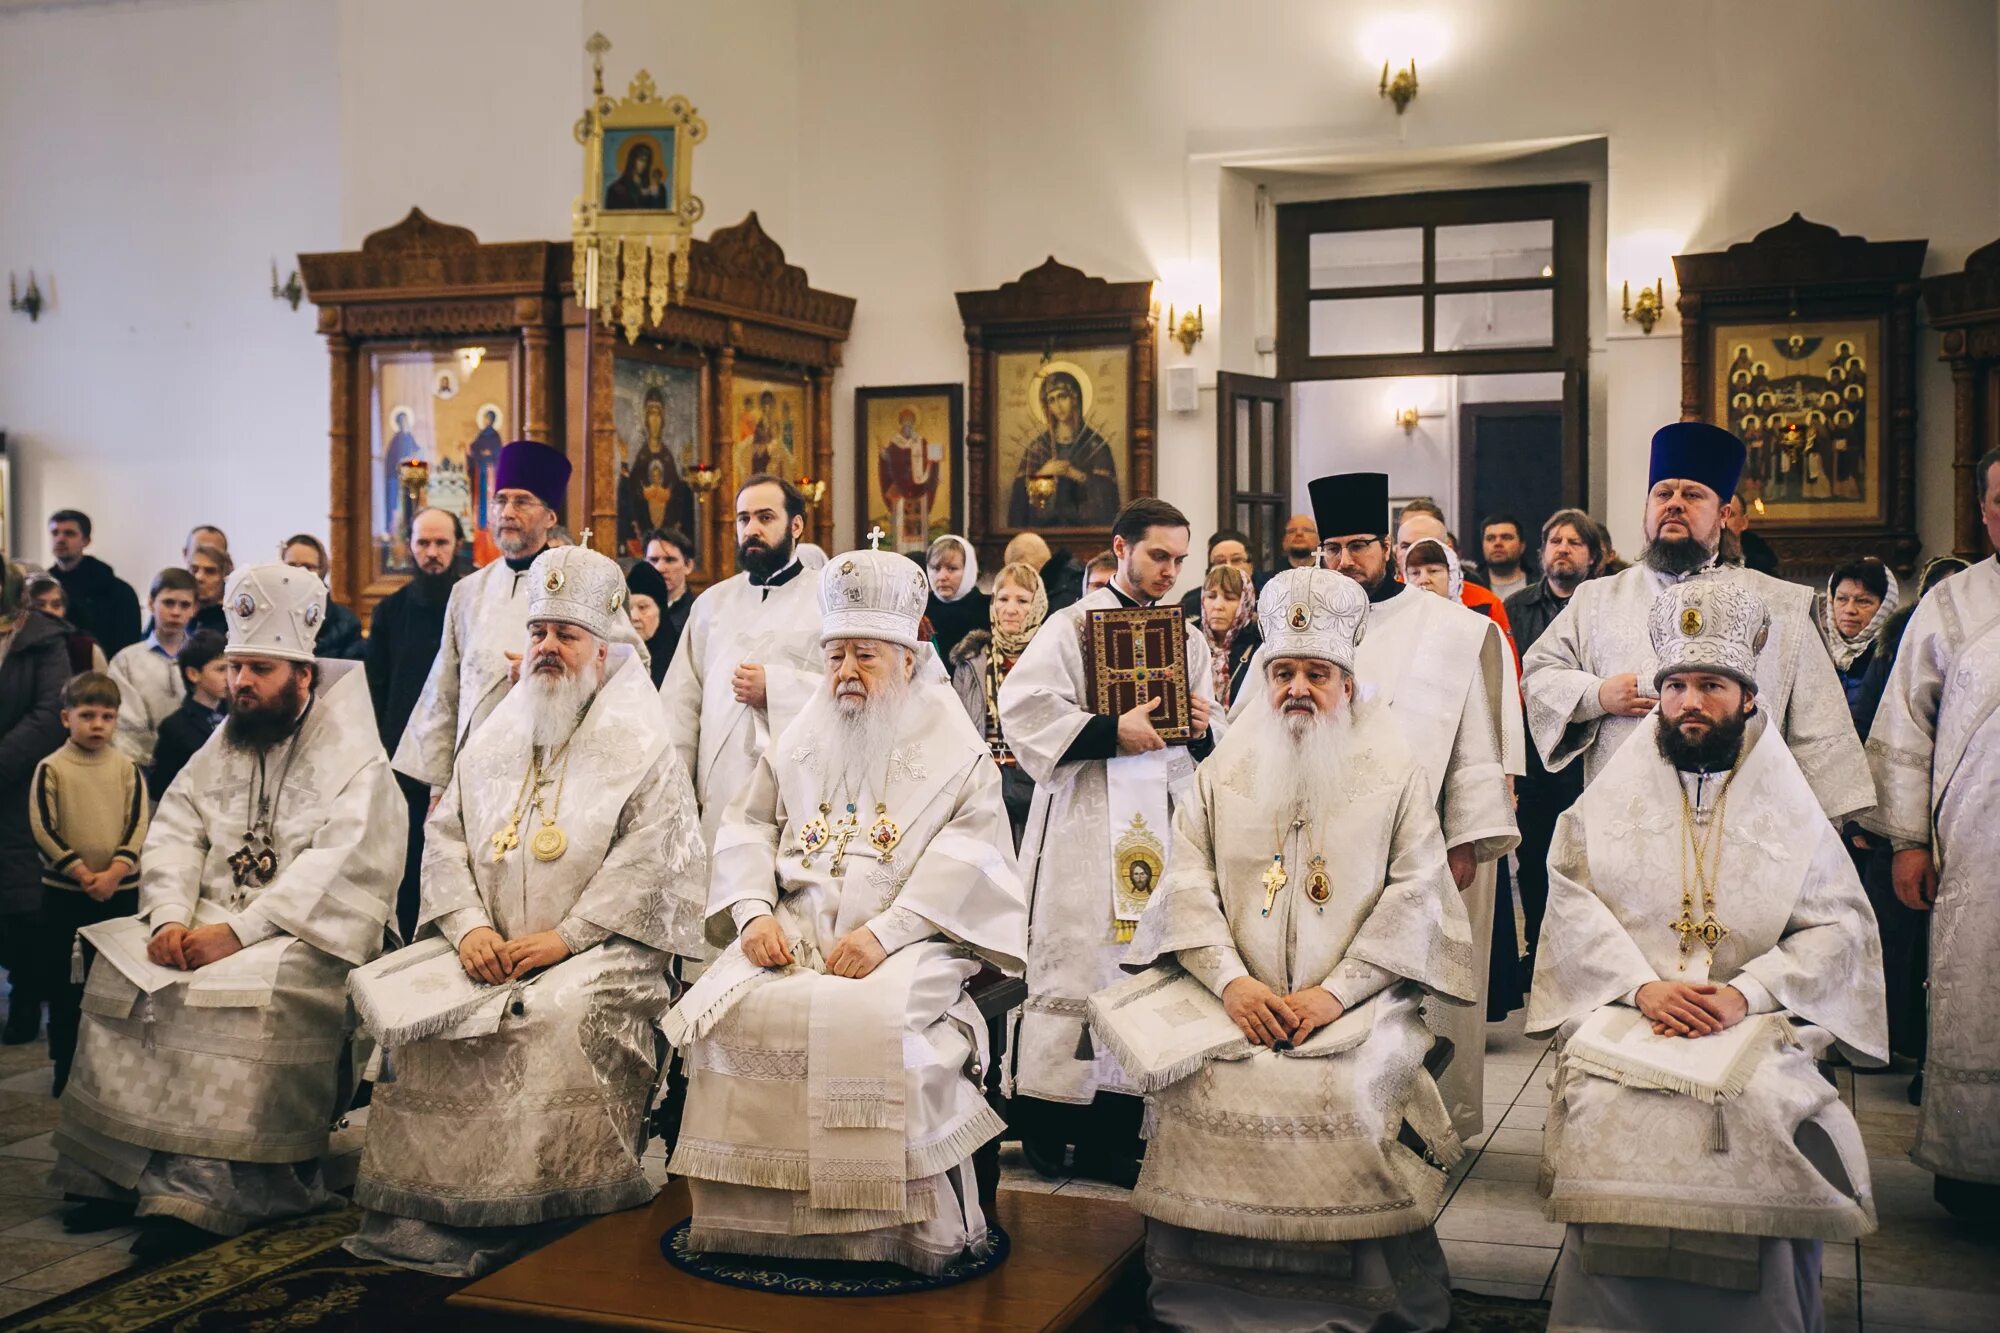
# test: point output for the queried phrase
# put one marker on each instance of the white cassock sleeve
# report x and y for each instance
(339, 894)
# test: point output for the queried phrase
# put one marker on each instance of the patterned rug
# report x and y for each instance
(823, 1277)
(288, 1278)
(1475, 1312)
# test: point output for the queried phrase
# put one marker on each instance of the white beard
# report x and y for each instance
(559, 702)
(1303, 773)
(855, 747)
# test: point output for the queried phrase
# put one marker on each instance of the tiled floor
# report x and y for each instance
(1920, 1271)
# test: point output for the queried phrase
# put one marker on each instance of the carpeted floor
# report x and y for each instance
(292, 1277)
(296, 1278)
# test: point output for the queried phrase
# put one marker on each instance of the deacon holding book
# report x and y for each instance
(563, 868)
(834, 1055)
(1588, 677)
(1300, 1143)
(214, 1056)
(1446, 678)
(1706, 940)
(1095, 846)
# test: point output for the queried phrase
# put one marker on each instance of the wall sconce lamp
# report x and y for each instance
(29, 304)
(1649, 309)
(1402, 90)
(813, 489)
(292, 291)
(704, 478)
(1407, 419)
(1186, 330)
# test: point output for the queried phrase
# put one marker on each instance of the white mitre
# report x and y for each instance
(274, 611)
(574, 585)
(873, 595)
(1318, 613)
(1708, 624)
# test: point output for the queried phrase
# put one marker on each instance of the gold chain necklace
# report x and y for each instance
(883, 835)
(1709, 931)
(1318, 890)
(549, 842)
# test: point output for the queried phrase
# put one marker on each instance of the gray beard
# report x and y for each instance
(1303, 774)
(558, 703)
(856, 747)
(1675, 558)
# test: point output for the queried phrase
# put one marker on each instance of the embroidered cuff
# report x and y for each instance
(746, 910)
(1755, 993)
(250, 928)
(1355, 981)
(455, 926)
(1214, 967)
(900, 926)
(578, 934)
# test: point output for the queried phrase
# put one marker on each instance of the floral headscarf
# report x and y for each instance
(1842, 649)
(1020, 574)
(1220, 643)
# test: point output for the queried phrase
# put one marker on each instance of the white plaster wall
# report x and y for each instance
(900, 150)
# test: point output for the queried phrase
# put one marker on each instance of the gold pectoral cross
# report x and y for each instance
(1274, 881)
(506, 840)
(1686, 928)
(846, 828)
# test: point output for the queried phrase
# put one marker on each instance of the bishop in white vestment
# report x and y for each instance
(1587, 677)
(749, 657)
(562, 870)
(213, 1058)
(834, 1057)
(1706, 940)
(1300, 1144)
(1096, 843)
(1445, 676)
(486, 618)
(1935, 752)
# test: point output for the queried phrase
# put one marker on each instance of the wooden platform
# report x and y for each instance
(1076, 1264)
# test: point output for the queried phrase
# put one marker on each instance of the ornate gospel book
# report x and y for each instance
(1135, 653)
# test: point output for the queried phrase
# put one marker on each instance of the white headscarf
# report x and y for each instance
(971, 579)
(1455, 583)
(1842, 649)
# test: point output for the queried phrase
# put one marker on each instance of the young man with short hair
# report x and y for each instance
(1105, 789)
(674, 554)
(1508, 569)
(101, 604)
(148, 680)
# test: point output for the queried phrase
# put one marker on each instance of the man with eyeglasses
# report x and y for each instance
(486, 619)
(1226, 546)
(1447, 679)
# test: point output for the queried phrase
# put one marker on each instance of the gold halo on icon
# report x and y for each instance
(1049, 368)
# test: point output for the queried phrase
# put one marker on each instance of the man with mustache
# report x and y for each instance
(1298, 1134)
(1707, 941)
(403, 639)
(1588, 679)
(1445, 677)
(213, 1052)
(749, 657)
(860, 877)
(1105, 788)
(485, 617)
(564, 869)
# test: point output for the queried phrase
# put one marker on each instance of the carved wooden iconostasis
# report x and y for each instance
(1964, 308)
(441, 348)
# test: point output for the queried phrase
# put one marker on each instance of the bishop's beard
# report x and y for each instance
(1677, 556)
(1715, 752)
(856, 745)
(1302, 762)
(259, 727)
(558, 700)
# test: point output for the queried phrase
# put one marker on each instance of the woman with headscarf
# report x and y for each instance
(645, 599)
(1433, 566)
(981, 662)
(34, 665)
(1860, 597)
(957, 607)
(1229, 620)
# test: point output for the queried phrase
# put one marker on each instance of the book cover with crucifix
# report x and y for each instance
(1135, 653)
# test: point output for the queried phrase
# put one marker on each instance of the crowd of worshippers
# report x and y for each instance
(555, 825)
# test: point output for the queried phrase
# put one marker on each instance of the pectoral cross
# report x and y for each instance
(848, 826)
(1274, 880)
(1686, 927)
(240, 863)
(506, 840)
(875, 536)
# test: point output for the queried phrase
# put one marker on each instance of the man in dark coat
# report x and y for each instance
(403, 639)
(34, 664)
(101, 604)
